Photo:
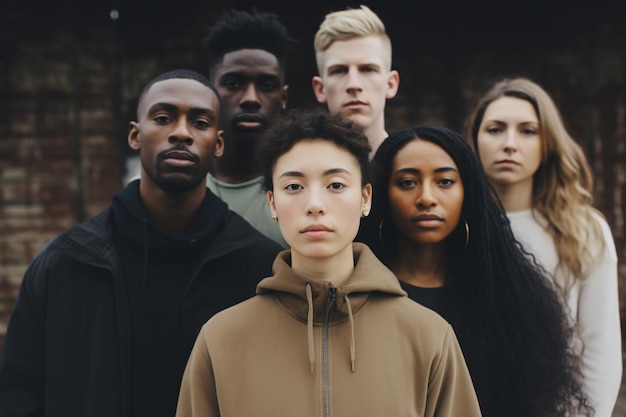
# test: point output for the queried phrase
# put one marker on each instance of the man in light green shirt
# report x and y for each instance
(247, 56)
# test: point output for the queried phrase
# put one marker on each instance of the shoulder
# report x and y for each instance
(607, 242)
(527, 218)
(92, 235)
(421, 325)
(87, 243)
(239, 320)
(237, 234)
(91, 232)
(604, 225)
(423, 317)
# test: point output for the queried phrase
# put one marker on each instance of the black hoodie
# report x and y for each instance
(103, 326)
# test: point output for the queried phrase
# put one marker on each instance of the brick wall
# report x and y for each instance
(59, 160)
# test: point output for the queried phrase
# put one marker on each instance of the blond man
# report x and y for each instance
(355, 79)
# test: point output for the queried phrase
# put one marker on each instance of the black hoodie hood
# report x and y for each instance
(139, 229)
(145, 245)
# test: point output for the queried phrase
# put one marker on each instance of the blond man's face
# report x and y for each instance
(355, 79)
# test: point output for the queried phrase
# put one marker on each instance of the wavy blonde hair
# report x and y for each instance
(563, 183)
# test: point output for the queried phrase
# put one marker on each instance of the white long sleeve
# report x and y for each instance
(593, 305)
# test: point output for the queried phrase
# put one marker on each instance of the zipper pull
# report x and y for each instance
(332, 296)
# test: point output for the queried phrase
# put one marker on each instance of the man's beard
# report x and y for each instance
(177, 185)
(173, 183)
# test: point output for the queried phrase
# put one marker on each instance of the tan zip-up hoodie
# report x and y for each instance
(310, 349)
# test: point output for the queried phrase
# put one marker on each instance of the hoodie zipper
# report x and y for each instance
(332, 300)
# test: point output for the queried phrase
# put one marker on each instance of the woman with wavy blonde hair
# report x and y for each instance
(542, 177)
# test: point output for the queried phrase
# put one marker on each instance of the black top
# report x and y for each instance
(437, 298)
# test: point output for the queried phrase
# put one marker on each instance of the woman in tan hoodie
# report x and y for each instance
(331, 333)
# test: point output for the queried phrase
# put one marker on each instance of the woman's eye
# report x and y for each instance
(407, 183)
(293, 187)
(336, 186)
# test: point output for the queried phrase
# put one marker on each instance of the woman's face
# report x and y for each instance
(425, 193)
(509, 142)
(318, 198)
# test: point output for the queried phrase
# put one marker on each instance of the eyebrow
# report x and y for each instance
(417, 171)
(333, 66)
(241, 75)
(174, 109)
(325, 173)
(528, 122)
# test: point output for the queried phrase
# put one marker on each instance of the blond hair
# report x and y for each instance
(349, 24)
(563, 183)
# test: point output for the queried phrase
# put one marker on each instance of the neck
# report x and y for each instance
(236, 167)
(375, 135)
(515, 197)
(172, 211)
(336, 269)
(421, 265)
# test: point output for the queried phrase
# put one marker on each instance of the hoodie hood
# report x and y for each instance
(320, 303)
(369, 276)
(139, 227)
(142, 239)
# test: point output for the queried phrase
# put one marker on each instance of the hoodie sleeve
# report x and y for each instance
(451, 391)
(198, 395)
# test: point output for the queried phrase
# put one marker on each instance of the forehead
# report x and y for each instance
(249, 61)
(422, 153)
(357, 51)
(316, 155)
(181, 92)
(507, 108)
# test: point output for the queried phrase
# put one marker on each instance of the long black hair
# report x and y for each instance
(509, 320)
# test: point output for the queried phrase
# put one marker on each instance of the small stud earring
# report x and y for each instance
(365, 213)
(275, 218)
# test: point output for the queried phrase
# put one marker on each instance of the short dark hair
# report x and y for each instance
(247, 30)
(298, 125)
(182, 73)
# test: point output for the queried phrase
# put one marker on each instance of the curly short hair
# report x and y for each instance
(298, 125)
(247, 30)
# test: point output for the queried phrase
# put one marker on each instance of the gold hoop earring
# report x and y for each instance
(467, 235)
(380, 231)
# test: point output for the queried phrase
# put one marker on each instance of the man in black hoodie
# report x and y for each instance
(108, 312)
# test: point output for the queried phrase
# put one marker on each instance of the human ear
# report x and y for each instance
(393, 82)
(270, 201)
(366, 198)
(219, 144)
(318, 89)
(133, 136)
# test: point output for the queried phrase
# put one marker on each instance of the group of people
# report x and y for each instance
(307, 262)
